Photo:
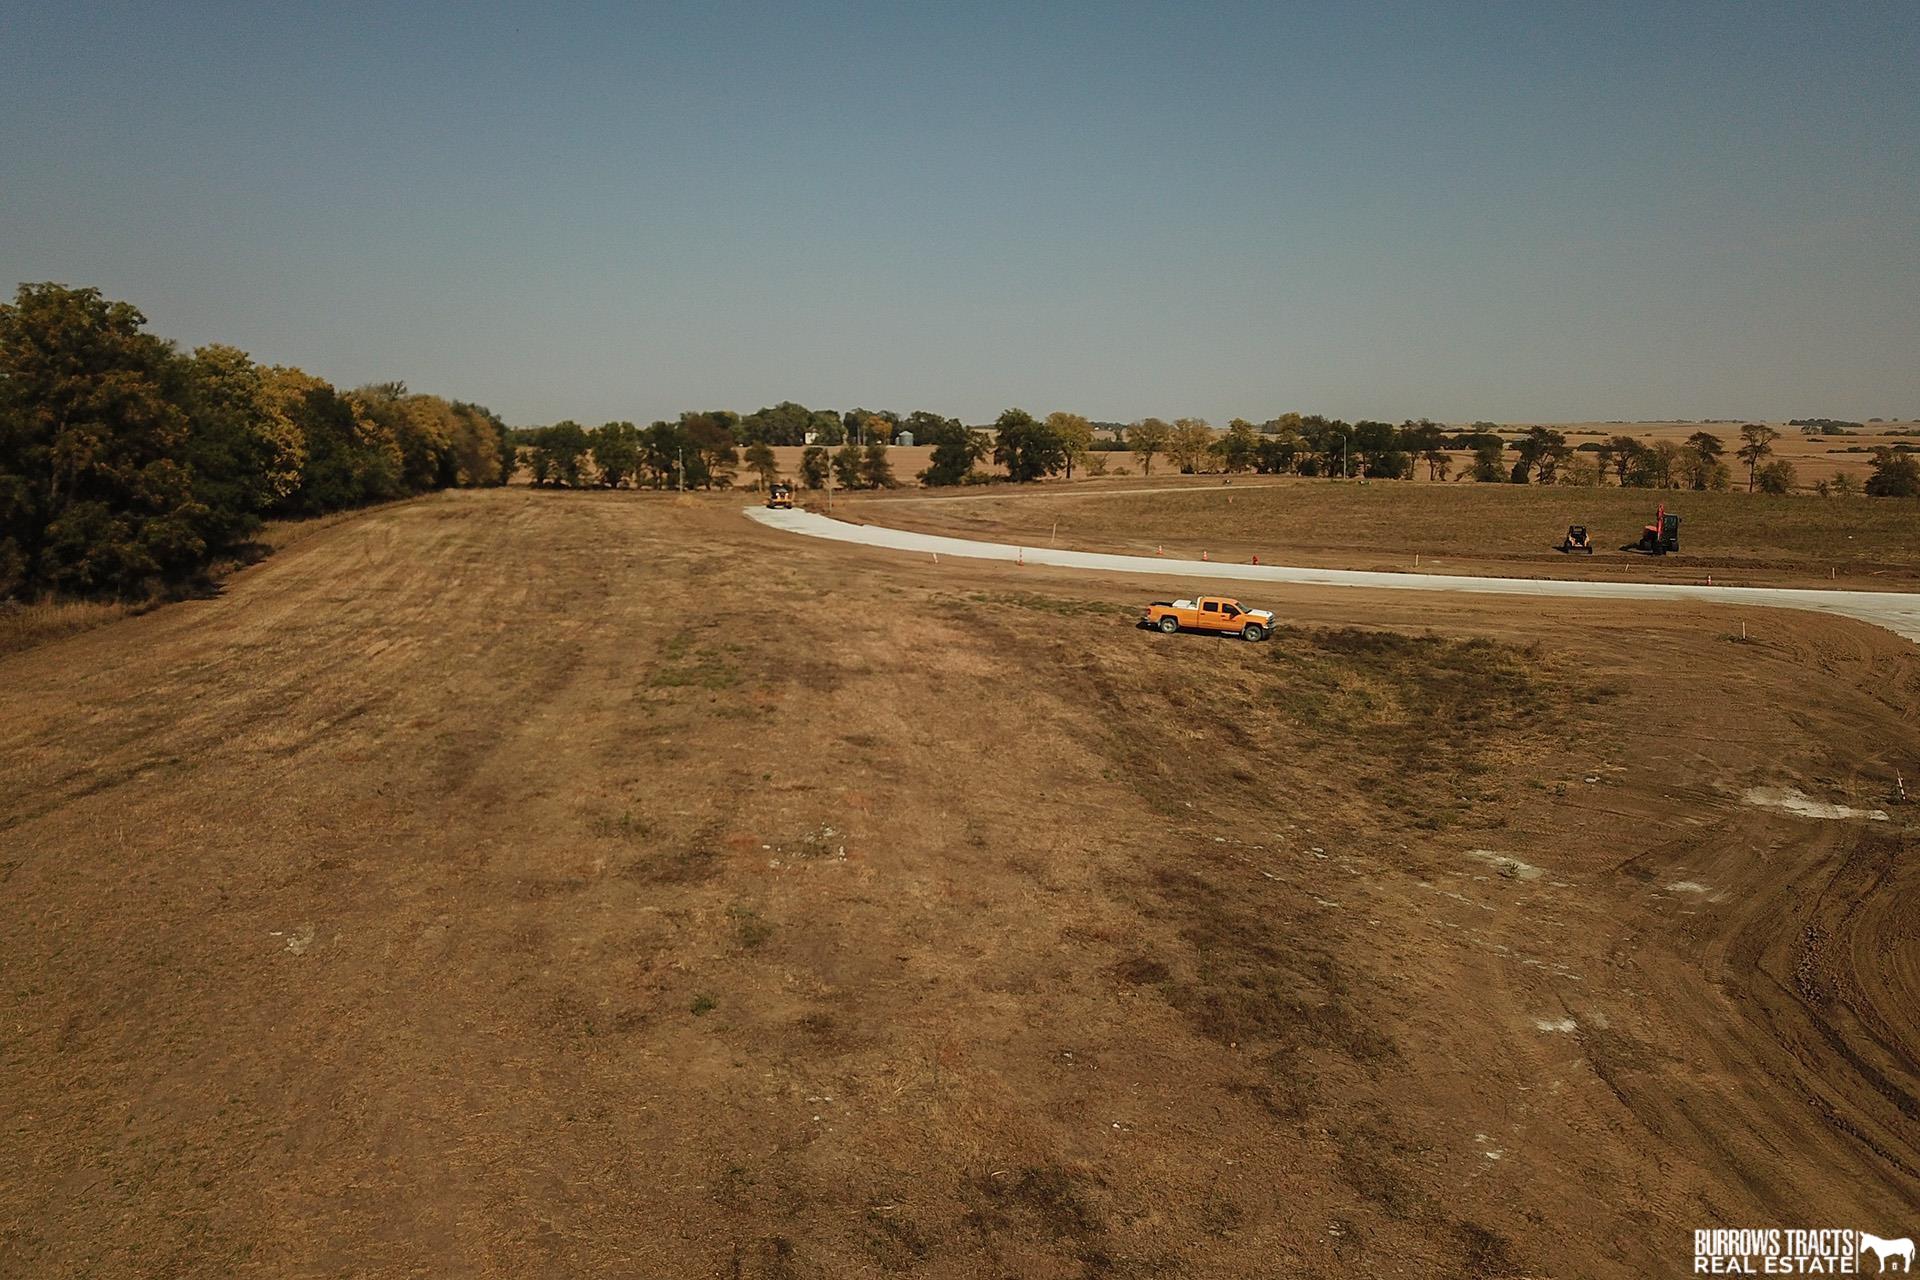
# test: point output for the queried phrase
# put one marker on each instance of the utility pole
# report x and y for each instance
(683, 468)
(1343, 456)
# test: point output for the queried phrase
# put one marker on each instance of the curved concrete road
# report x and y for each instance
(1897, 611)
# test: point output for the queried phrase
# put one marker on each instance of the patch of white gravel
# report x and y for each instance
(1556, 1024)
(1511, 868)
(1796, 801)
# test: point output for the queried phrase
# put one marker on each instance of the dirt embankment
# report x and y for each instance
(539, 883)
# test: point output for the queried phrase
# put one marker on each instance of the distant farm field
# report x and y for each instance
(1461, 527)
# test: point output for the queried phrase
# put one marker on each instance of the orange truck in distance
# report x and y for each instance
(1218, 614)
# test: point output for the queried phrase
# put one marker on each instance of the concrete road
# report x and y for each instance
(1897, 611)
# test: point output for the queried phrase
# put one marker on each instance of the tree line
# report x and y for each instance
(701, 450)
(849, 451)
(127, 465)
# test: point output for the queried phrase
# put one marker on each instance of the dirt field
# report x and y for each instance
(1750, 539)
(547, 884)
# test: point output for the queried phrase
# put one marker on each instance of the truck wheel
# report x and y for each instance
(1169, 625)
(1253, 631)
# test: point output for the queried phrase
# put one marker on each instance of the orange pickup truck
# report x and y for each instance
(1219, 614)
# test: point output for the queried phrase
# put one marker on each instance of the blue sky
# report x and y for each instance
(1508, 211)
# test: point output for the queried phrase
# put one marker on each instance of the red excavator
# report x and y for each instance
(1660, 537)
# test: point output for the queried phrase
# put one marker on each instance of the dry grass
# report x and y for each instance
(1419, 721)
(1419, 727)
(940, 923)
(24, 625)
(1448, 526)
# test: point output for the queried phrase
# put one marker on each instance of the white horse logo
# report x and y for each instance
(1884, 1249)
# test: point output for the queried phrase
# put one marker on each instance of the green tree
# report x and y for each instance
(1622, 452)
(1075, 434)
(1703, 456)
(956, 449)
(875, 471)
(1756, 449)
(124, 466)
(1582, 470)
(1488, 466)
(341, 466)
(95, 497)
(482, 454)
(245, 454)
(1896, 474)
(862, 425)
(562, 448)
(1026, 448)
(849, 470)
(712, 457)
(1275, 454)
(924, 425)
(760, 460)
(1148, 438)
(813, 466)
(787, 423)
(1190, 447)
(1428, 440)
(663, 452)
(1377, 451)
(1240, 447)
(1328, 440)
(1776, 477)
(1658, 466)
(1542, 450)
(616, 453)
(413, 432)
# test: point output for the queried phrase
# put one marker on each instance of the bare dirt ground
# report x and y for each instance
(537, 884)
(1508, 530)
